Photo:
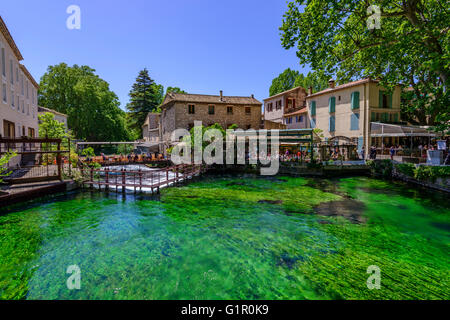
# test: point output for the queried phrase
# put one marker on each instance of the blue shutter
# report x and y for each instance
(354, 121)
(355, 100)
(313, 108)
(332, 105)
(313, 123)
(332, 124)
(360, 143)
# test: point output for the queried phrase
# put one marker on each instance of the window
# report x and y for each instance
(28, 109)
(396, 118)
(300, 119)
(332, 105)
(354, 121)
(21, 84)
(3, 62)
(11, 71)
(28, 96)
(18, 104)
(211, 110)
(191, 108)
(23, 107)
(17, 74)
(313, 123)
(9, 129)
(332, 124)
(12, 100)
(278, 105)
(385, 100)
(5, 99)
(355, 100)
(313, 108)
(248, 110)
(230, 110)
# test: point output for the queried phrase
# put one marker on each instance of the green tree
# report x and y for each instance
(4, 159)
(318, 81)
(92, 108)
(175, 90)
(285, 81)
(410, 47)
(145, 96)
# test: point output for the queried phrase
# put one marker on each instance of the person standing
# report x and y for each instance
(392, 152)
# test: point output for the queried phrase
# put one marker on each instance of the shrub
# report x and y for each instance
(408, 169)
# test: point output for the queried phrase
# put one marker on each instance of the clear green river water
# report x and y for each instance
(231, 238)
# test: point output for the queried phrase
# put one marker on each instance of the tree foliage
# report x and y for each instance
(411, 47)
(285, 81)
(4, 159)
(145, 96)
(92, 108)
(290, 79)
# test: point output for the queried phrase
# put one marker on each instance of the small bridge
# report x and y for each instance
(151, 179)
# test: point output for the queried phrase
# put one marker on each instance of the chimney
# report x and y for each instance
(253, 96)
(310, 91)
(221, 95)
(331, 83)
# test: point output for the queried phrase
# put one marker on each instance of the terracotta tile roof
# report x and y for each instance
(200, 98)
(4, 30)
(29, 76)
(43, 109)
(343, 86)
(285, 92)
(301, 111)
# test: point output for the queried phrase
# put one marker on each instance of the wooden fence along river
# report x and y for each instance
(139, 179)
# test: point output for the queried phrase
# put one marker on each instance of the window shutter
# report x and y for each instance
(331, 124)
(380, 98)
(354, 121)
(313, 108)
(390, 101)
(396, 117)
(355, 100)
(332, 105)
(373, 117)
(313, 123)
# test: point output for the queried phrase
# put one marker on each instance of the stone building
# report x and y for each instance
(288, 102)
(179, 111)
(348, 110)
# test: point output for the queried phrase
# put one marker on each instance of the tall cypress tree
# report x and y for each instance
(145, 96)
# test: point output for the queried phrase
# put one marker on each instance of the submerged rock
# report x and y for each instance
(271, 201)
(351, 210)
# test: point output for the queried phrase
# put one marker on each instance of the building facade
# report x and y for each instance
(288, 102)
(297, 120)
(60, 117)
(347, 110)
(18, 94)
(151, 129)
(180, 111)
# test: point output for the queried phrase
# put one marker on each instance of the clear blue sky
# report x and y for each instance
(201, 46)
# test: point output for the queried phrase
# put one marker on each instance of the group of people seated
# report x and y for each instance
(129, 158)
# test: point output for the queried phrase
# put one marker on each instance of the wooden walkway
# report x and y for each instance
(141, 179)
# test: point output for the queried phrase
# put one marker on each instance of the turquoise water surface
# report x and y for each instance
(231, 238)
